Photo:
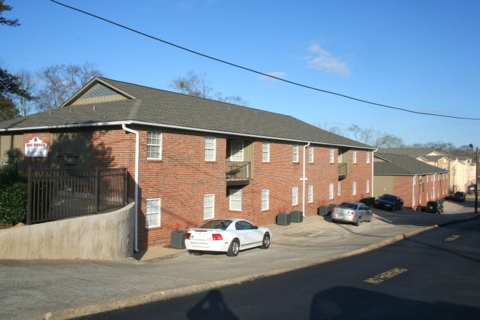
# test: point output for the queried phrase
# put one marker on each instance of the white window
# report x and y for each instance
(208, 206)
(265, 199)
(367, 186)
(236, 150)
(354, 156)
(310, 194)
(330, 191)
(354, 188)
(210, 148)
(368, 156)
(153, 213)
(235, 196)
(339, 191)
(332, 155)
(265, 151)
(340, 156)
(294, 196)
(310, 154)
(154, 145)
(295, 153)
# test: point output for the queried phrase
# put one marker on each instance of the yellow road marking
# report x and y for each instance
(453, 237)
(385, 275)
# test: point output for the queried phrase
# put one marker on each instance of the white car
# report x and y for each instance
(230, 235)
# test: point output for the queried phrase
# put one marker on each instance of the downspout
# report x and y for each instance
(413, 190)
(304, 179)
(137, 160)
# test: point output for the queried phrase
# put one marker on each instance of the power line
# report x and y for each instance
(261, 73)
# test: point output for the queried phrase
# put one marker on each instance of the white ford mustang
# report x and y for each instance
(230, 235)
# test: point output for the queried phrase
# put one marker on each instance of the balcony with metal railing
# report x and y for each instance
(238, 173)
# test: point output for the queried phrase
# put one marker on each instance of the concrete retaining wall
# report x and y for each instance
(106, 236)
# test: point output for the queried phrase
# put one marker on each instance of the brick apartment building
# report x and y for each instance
(191, 159)
(416, 182)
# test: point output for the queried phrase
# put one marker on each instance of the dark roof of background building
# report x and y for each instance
(160, 108)
(390, 164)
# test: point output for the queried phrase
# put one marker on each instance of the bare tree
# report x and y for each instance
(60, 82)
(197, 86)
(28, 84)
(389, 141)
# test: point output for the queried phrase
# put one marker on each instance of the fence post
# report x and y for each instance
(125, 185)
(97, 191)
(29, 202)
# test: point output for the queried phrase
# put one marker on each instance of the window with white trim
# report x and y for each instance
(236, 150)
(154, 145)
(310, 154)
(354, 188)
(153, 213)
(367, 186)
(210, 148)
(368, 157)
(294, 196)
(310, 194)
(330, 191)
(354, 156)
(208, 206)
(295, 153)
(340, 154)
(235, 197)
(332, 155)
(339, 187)
(265, 151)
(265, 199)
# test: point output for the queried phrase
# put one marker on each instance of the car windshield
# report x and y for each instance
(388, 197)
(348, 205)
(216, 224)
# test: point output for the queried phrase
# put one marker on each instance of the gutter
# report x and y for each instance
(137, 165)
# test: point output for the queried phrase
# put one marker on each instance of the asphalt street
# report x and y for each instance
(42, 289)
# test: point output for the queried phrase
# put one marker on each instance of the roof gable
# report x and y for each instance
(97, 91)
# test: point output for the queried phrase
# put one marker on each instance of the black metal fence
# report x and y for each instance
(58, 194)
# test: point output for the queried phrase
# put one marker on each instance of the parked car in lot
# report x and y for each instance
(229, 235)
(389, 202)
(352, 212)
(472, 188)
(459, 196)
(434, 207)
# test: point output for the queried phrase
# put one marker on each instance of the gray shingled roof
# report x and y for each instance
(400, 165)
(169, 109)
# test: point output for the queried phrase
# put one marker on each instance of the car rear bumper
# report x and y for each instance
(207, 245)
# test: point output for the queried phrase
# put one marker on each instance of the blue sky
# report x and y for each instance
(420, 55)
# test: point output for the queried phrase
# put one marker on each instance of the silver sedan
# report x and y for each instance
(352, 212)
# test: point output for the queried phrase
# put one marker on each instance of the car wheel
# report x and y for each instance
(370, 219)
(266, 241)
(357, 223)
(334, 221)
(234, 248)
(392, 208)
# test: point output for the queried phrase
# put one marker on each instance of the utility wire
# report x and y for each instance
(261, 73)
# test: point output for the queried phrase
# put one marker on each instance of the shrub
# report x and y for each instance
(13, 196)
(13, 203)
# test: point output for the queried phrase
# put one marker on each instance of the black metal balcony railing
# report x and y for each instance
(238, 170)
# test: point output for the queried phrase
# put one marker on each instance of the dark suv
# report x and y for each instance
(459, 196)
(389, 202)
(434, 207)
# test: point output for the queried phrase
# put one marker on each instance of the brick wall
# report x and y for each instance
(182, 177)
